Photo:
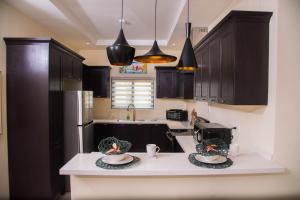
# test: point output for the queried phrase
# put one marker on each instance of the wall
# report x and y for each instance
(13, 24)
(103, 105)
(287, 126)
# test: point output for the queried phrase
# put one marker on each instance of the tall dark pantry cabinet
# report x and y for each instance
(35, 115)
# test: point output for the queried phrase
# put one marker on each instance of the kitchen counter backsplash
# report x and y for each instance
(171, 124)
(103, 110)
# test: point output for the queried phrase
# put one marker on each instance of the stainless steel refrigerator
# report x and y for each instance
(78, 124)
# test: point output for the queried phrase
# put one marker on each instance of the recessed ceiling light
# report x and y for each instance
(122, 21)
(87, 43)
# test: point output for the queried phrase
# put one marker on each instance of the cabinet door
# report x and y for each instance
(56, 119)
(227, 67)
(101, 131)
(214, 69)
(188, 81)
(67, 66)
(197, 84)
(197, 77)
(204, 70)
(166, 85)
(77, 69)
(181, 85)
(158, 136)
(97, 79)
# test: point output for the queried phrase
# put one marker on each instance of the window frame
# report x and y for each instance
(133, 79)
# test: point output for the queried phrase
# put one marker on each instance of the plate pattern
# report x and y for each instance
(194, 161)
(104, 165)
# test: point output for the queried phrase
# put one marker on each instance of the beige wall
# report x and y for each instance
(287, 126)
(103, 105)
(12, 24)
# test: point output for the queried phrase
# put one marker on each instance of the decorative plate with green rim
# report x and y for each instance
(104, 165)
(196, 162)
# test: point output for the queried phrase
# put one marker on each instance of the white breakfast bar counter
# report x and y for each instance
(161, 177)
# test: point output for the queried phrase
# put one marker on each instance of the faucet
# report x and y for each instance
(133, 109)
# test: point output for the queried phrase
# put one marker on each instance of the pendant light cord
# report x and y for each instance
(122, 16)
(155, 20)
(188, 8)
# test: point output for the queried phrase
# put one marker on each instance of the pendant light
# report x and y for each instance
(120, 53)
(187, 61)
(155, 55)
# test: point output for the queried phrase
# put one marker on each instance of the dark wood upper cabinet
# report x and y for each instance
(214, 69)
(67, 66)
(72, 67)
(77, 69)
(186, 85)
(233, 60)
(172, 84)
(97, 79)
(201, 74)
(35, 116)
(166, 82)
(226, 83)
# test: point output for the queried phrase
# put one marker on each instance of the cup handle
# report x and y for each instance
(157, 149)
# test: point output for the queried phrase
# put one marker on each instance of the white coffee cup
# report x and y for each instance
(152, 149)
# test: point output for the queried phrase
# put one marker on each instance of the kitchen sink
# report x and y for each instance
(136, 121)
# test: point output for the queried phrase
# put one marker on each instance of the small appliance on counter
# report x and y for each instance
(177, 115)
(204, 130)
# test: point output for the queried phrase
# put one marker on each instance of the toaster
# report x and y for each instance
(177, 114)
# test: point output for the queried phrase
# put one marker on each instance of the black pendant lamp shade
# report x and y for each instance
(155, 55)
(120, 53)
(187, 61)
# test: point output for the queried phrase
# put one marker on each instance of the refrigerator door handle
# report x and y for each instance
(80, 137)
(79, 108)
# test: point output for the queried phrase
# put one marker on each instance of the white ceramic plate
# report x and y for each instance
(205, 159)
(127, 159)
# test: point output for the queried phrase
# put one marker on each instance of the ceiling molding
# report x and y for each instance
(133, 42)
(82, 23)
(86, 27)
(176, 20)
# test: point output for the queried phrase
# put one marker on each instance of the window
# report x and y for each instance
(139, 92)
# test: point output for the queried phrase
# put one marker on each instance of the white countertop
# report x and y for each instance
(171, 124)
(170, 164)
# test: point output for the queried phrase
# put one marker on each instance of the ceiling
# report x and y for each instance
(94, 24)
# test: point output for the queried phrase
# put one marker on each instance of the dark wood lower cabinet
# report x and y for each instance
(139, 135)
